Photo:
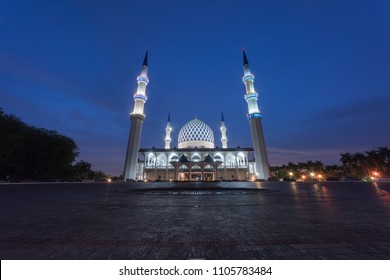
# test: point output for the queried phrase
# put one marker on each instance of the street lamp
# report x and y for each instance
(376, 175)
(290, 174)
(312, 175)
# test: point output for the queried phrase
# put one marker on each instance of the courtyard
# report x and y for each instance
(198, 220)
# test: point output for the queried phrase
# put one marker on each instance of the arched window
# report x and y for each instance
(150, 160)
(230, 160)
(195, 157)
(173, 157)
(196, 167)
(183, 167)
(241, 159)
(219, 157)
(162, 161)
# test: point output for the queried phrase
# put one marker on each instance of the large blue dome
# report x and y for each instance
(195, 133)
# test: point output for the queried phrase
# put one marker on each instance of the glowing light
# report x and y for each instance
(145, 180)
(303, 177)
(142, 79)
(109, 180)
(251, 96)
(248, 77)
(140, 96)
(290, 173)
(312, 174)
(254, 115)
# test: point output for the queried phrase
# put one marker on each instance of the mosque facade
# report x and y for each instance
(196, 157)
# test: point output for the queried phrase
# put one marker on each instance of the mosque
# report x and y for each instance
(196, 157)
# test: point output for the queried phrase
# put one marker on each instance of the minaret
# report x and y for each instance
(223, 132)
(254, 116)
(137, 118)
(168, 130)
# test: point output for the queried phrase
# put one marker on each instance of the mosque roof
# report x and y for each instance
(196, 132)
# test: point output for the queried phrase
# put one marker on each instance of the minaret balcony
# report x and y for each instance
(248, 77)
(254, 115)
(252, 95)
(142, 79)
(140, 97)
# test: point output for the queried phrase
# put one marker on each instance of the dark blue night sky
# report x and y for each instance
(322, 72)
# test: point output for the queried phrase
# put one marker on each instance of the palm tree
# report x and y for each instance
(373, 160)
(361, 161)
(384, 156)
(347, 161)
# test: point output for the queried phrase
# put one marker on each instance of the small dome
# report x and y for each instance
(195, 133)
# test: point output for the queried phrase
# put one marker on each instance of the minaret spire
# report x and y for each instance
(168, 130)
(137, 118)
(255, 119)
(223, 132)
(245, 58)
(145, 63)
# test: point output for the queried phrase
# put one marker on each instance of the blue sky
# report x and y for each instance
(322, 71)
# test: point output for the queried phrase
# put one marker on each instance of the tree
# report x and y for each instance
(81, 171)
(27, 152)
(363, 165)
(383, 154)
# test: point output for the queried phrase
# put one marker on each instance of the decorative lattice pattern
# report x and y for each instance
(196, 130)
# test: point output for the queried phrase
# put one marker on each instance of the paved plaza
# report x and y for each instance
(225, 220)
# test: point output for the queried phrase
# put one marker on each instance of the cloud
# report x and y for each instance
(349, 126)
(371, 108)
(279, 156)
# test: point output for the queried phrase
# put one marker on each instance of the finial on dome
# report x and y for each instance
(169, 117)
(222, 118)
